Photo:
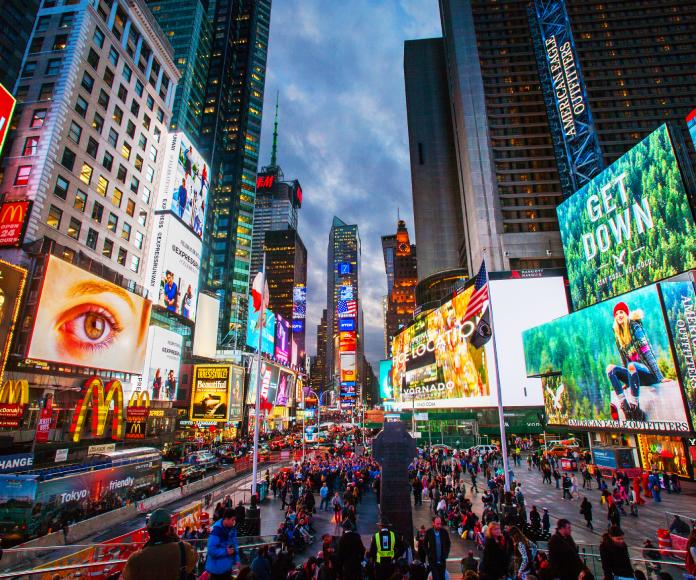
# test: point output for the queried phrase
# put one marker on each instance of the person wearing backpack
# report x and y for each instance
(164, 555)
(223, 550)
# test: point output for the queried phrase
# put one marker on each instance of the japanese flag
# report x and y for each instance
(259, 292)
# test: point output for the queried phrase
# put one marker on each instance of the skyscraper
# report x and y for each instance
(188, 28)
(437, 206)
(507, 149)
(344, 339)
(401, 299)
(16, 22)
(317, 377)
(230, 140)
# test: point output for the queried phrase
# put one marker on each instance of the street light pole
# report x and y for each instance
(257, 408)
(304, 411)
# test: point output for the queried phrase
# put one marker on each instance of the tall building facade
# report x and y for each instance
(286, 274)
(95, 99)
(188, 28)
(16, 22)
(344, 340)
(505, 145)
(317, 378)
(231, 132)
(401, 299)
(437, 205)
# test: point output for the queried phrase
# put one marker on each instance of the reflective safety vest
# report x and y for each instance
(385, 551)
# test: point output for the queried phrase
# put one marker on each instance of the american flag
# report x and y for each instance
(347, 308)
(480, 296)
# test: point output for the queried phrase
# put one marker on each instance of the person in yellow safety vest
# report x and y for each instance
(384, 550)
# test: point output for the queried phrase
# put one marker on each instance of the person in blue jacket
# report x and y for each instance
(223, 550)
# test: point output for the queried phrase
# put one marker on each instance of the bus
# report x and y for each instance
(39, 501)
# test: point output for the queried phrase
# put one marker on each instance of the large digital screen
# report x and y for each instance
(277, 384)
(86, 321)
(185, 183)
(348, 367)
(282, 340)
(386, 389)
(206, 331)
(210, 397)
(299, 302)
(630, 226)
(236, 392)
(173, 266)
(12, 279)
(268, 335)
(161, 372)
(609, 366)
(434, 363)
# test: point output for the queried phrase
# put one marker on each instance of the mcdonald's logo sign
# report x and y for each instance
(14, 216)
(137, 412)
(98, 398)
(139, 399)
(15, 392)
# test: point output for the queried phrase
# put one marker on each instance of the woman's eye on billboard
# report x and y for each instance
(87, 327)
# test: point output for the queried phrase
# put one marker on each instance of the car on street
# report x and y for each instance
(204, 459)
(182, 475)
(483, 449)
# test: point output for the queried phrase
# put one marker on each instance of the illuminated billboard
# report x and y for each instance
(346, 324)
(348, 367)
(609, 366)
(210, 394)
(691, 125)
(185, 183)
(277, 384)
(347, 342)
(86, 321)
(236, 392)
(252, 333)
(7, 106)
(434, 363)
(14, 217)
(206, 331)
(630, 226)
(386, 390)
(173, 266)
(282, 340)
(299, 302)
(12, 279)
(161, 372)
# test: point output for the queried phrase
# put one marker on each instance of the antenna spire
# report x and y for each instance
(274, 150)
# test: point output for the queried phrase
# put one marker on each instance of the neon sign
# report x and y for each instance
(99, 398)
(264, 181)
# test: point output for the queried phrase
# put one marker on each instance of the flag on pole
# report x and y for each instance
(480, 296)
(259, 292)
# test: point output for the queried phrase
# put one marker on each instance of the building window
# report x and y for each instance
(61, 188)
(146, 122)
(103, 99)
(138, 87)
(158, 134)
(81, 106)
(93, 58)
(108, 76)
(74, 228)
(68, 159)
(21, 94)
(125, 150)
(135, 108)
(36, 45)
(113, 138)
(46, 91)
(61, 42)
(138, 163)
(66, 19)
(98, 37)
(54, 216)
(23, 173)
(53, 66)
(122, 93)
(42, 24)
(139, 240)
(92, 148)
(150, 173)
(108, 248)
(38, 119)
(134, 184)
(92, 238)
(86, 174)
(122, 256)
(29, 70)
(31, 145)
(150, 102)
(127, 73)
(97, 211)
(75, 133)
(117, 197)
(142, 217)
(130, 129)
(118, 115)
(108, 161)
(121, 174)
(80, 202)
(98, 123)
(126, 231)
(130, 207)
(87, 82)
(146, 195)
(102, 185)
(134, 263)
(153, 153)
(112, 223)
(113, 56)
(160, 115)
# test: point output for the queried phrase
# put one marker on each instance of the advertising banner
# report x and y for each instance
(43, 425)
(386, 389)
(185, 183)
(286, 380)
(609, 366)
(282, 340)
(434, 362)
(14, 397)
(16, 462)
(236, 392)
(210, 393)
(12, 280)
(252, 334)
(161, 371)
(347, 342)
(630, 226)
(680, 304)
(346, 324)
(173, 266)
(86, 321)
(7, 106)
(299, 302)
(14, 216)
(136, 421)
(348, 367)
(206, 331)
(277, 384)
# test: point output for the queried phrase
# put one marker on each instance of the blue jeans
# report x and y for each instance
(639, 375)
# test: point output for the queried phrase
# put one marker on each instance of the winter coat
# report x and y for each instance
(218, 561)
(563, 557)
(615, 559)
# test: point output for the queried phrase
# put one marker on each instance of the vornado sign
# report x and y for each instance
(98, 398)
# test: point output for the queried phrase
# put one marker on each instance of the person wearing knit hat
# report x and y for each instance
(638, 361)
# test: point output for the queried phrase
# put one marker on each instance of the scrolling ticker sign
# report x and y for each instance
(575, 141)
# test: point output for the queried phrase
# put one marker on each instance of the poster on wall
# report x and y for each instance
(609, 366)
(210, 395)
(630, 226)
(86, 321)
(161, 372)
(185, 183)
(173, 266)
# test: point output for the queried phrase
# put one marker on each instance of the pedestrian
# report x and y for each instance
(586, 511)
(497, 554)
(566, 488)
(223, 550)
(563, 553)
(614, 554)
(535, 519)
(261, 564)
(614, 515)
(324, 494)
(557, 478)
(351, 552)
(437, 542)
(337, 507)
(164, 555)
(526, 553)
(546, 521)
(385, 548)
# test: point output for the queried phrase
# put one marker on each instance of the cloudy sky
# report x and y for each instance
(343, 134)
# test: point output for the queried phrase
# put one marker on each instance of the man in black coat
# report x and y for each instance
(351, 552)
(437, 546)
(563, 553)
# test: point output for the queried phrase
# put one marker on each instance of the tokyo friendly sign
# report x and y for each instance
(630, 226)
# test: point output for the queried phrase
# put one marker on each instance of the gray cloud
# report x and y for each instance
(339, 69)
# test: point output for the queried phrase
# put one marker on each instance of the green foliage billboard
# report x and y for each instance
(630, 226)
(609, 366)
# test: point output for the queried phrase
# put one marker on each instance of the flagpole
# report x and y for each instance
(257, 408)
(501, 413)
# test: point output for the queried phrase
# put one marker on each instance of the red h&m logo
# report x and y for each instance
(264, 181)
